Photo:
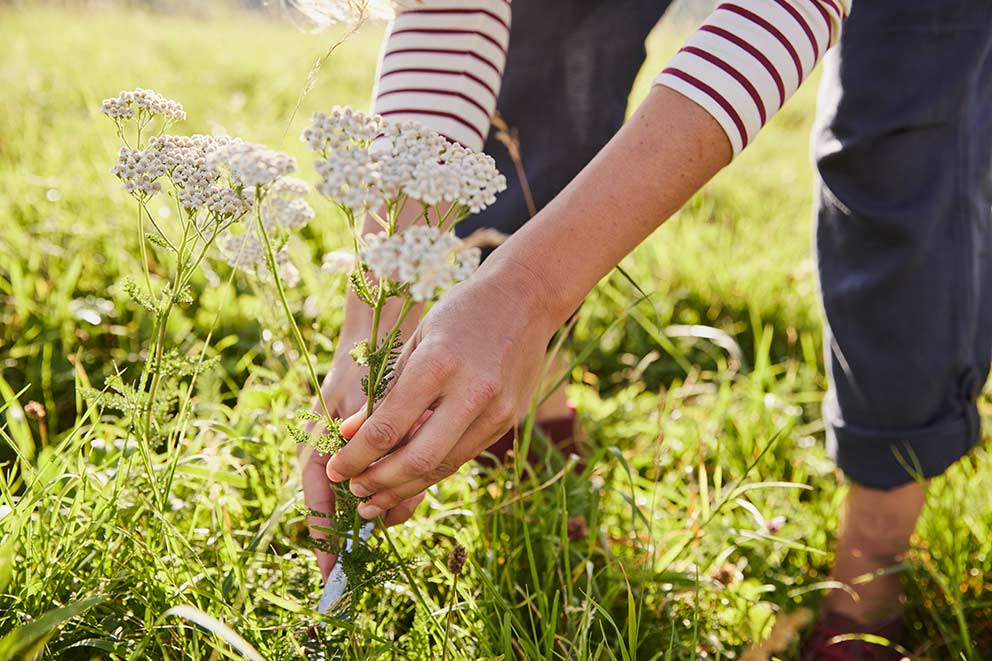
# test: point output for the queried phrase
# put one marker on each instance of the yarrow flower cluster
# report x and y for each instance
(139, 170)
(217, 175)
(284, 208)
(184, 159)
(367, 161)
(342, 128)
(372, 169)
(139, 102)
(249, 164)
(246, 252)
(423, 258)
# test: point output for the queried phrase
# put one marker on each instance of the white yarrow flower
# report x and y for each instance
(338, 261)
(368, 161)
(139, 169)
(349, 177)
(249, 164)
(342, 128)
(284, 209)
(426, 259)
(141, 101)
(246, 252)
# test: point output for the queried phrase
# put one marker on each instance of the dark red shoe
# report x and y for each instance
(819, 647)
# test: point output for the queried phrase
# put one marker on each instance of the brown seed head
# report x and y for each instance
(456, 559)
(35, 410)
(577, 528)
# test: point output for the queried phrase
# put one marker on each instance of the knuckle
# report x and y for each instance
(503, 413)
(439, 366)
(420, 464)
(387, 500)
(442, 470)
(486, 392)
(380, 434)
(370, 483)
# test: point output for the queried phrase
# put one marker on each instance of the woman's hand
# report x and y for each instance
(471, 366)
(341, 391)
(476, 357)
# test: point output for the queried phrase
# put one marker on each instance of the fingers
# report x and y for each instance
(424, 456)
(416, 388)
(318, 496)
(480, 435)
(403, 511)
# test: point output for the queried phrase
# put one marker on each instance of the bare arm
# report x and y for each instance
(478, 378)
(668, 149)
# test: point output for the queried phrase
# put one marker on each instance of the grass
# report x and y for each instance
(694, 443)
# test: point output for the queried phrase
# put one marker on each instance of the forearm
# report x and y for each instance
(668, 149)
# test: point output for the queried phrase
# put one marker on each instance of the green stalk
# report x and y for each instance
(163, 323)
(451, 612)
(390, 339)
(144, 251)
(406, 573)
(374, 344)
(270, 259)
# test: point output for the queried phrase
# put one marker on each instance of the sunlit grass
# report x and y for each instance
(694, 442)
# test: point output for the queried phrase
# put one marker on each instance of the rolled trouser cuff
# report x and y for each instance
(886, 459)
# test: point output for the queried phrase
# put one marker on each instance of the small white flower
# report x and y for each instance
(139, 169)
(198, 184)
(424, 258)
(127, 445)
(284, 209)
(227, 202)
(249, 164)
(349, 177)
(288, 273)
(141, 101)
(342, 128)
(339, 261)
(245, 252)
(367, 161)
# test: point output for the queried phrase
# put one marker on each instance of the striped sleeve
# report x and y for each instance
(750, 56)
(442, 65)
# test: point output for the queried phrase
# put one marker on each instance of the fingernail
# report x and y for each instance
(333, 475)
(369, 511)
(360, 490)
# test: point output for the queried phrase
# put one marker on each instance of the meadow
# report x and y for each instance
(707, 506)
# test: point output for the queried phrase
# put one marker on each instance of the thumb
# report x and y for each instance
(351, 424)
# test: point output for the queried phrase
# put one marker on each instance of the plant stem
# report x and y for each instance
(374, 344)
(451, 612)
(390, 339)
(270, 259)
(163, 324)
(162, 234)
(406, 572)
(144, 251)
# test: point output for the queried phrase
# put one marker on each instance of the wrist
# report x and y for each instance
(536, 295)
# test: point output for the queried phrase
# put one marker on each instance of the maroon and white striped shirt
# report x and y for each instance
(442, 63)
